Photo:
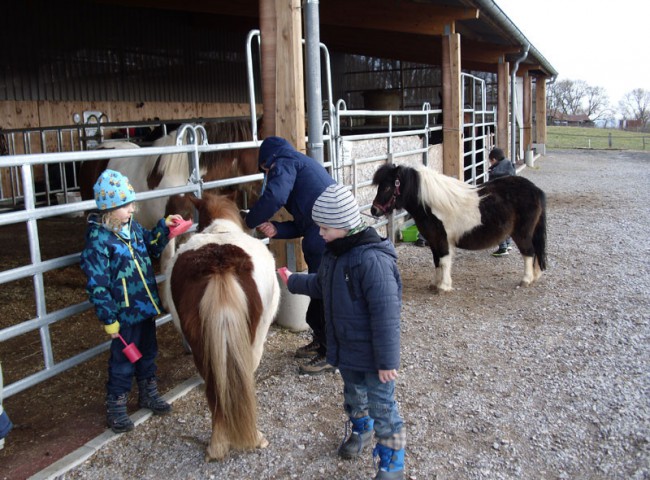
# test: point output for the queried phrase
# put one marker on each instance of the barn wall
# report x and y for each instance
(131, 63)
(30, 114)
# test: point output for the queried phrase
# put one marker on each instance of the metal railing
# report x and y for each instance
(44, 319)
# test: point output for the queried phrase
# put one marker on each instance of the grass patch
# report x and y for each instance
(596, 138)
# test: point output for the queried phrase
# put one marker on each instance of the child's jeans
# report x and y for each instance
(363, 392)
(120, 369)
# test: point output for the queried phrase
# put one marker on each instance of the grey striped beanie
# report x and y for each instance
(336, 208)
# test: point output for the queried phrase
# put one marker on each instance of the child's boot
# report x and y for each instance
(359, 438)
(150, 398)
(391, 457)
(116, 416)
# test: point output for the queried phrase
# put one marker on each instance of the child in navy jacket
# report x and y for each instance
(361, 289)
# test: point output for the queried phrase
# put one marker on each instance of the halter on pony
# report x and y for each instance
(389, 206)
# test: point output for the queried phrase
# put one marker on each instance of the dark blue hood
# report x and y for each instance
(270, 148)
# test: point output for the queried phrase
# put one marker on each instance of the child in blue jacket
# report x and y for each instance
(122, 287)
(361, 289)
(294, 181)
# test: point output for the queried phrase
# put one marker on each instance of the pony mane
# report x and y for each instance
(455, 203)
(218, 213)
(176, 164)
(169, 165)
(225, 132)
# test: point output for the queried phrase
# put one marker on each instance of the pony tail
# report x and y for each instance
(230, 363)
(539, 238)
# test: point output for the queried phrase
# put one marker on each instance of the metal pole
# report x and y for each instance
(513, 102)
(314, 93)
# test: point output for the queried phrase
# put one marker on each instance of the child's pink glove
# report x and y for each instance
(177, 225)
(284, 273)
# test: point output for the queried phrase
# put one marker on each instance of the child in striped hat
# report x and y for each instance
(361, 289)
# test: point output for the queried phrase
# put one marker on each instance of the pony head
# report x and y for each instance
(212, 206)
(387, 199)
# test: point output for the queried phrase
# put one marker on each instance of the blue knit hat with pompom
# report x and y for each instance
(113, 190)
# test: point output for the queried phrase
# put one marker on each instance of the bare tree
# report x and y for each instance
(577, 97)
(596, 103)
(635, 105)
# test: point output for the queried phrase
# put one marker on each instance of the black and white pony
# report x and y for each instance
(450, 213)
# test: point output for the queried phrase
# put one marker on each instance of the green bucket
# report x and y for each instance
(410, 234)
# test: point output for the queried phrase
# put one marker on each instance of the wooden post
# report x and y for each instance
(451, 105)
(528, 112)
(283, 96)
(540, 110)
(503, 106)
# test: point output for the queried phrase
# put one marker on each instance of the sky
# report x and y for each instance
(603, 43)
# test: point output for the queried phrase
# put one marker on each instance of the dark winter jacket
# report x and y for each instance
(361, 289)
(502, 168)
(294, 182)
(121, 280)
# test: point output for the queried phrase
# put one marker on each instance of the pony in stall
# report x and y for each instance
(450, 213)
(154, 172)
(223, 293)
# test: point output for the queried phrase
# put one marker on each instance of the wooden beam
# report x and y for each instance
(452, 139)
(484, 52)
(540, 110)
(403, 46)
(503, 107)
(393, 15)
(242, 8)
(528, 112)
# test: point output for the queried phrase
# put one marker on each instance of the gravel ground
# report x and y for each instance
(497, 382)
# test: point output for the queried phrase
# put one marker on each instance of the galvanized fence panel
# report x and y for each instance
(31, 213)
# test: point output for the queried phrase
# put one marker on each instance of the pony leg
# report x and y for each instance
(528, 272)
(262, 442)
(219, 446)
(165, 258)
(537, 272)
(437, 278)
(444, 285)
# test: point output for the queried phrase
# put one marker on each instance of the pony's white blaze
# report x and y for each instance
(455, 203)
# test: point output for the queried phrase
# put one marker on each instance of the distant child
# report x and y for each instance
(361, 289)
(500, 166)
(122, 287)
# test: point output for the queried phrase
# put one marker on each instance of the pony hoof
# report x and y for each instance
(525, 284)
(262, 442)
(215, 454)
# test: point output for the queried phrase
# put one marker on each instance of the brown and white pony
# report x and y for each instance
(223, 293)
(450, 213)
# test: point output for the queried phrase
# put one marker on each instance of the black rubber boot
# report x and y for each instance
(359, 438)
(150, 398)
(116, 416)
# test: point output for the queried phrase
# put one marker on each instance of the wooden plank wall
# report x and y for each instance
(40, 114)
